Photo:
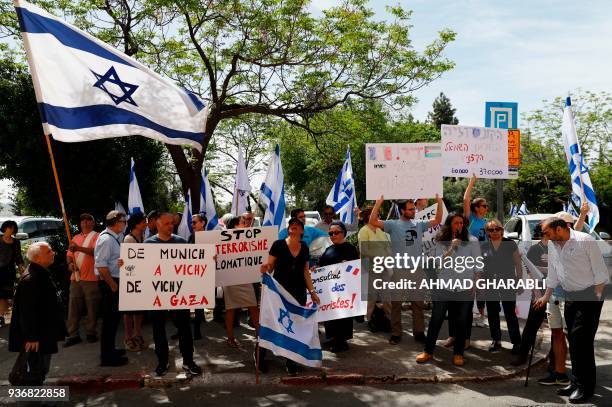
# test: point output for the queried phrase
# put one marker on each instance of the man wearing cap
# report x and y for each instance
(84, 290)
(106, 254)
(576, 264)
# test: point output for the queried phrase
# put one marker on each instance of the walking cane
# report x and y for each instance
(529, 365)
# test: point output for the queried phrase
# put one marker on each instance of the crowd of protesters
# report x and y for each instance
(93, 260)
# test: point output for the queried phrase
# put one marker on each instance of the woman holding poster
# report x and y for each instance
(338, 331)
(453, 241)
(288, 260)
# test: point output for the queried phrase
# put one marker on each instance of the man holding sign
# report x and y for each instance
(406, 238)
(181, 316)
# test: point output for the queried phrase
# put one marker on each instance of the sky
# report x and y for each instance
(519, 51)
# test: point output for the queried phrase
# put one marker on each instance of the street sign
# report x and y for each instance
(501, 115)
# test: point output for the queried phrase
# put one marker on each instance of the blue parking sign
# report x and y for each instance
(501, 115)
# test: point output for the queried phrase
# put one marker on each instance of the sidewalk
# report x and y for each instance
(370, 360)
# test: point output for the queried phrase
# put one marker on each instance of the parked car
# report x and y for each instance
(312, 218)
(521, 227)
(32, 229)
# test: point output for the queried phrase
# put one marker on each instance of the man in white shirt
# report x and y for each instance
(576, 264)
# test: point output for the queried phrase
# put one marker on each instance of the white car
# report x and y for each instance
(521, 227)
(32, 229)
(312, 218)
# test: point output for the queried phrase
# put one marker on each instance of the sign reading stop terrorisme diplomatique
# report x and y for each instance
(240, 253)
(166, 277)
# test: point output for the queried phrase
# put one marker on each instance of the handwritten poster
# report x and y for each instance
(403, 170)
(339, 289)
(430, 234)
(474, 150)
(166, 277)
(240, 253)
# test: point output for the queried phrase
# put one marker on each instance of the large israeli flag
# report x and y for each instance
(134, 199)
(207, 205)
(87, 90)
(579, 173)
(272, 192)
(185, 228)
(287, 328)
(342, 196)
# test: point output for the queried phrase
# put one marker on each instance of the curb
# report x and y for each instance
(100, 384)
(359, 379)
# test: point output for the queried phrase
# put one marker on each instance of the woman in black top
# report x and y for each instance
(340, 330)
(10, 257)
(502, 261)
(288, 260)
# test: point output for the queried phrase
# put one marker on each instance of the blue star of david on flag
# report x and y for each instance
(284, 313)
(111, 76)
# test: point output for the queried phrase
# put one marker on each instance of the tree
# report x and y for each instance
(443, 112)
(268, 57)
(92, 174)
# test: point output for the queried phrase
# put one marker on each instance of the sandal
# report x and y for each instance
(140, 342)
(232, 343)
(131, 345)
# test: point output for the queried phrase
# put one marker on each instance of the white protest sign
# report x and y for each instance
(470, 150)
(399, 170)
(166, 277)
(339, 289)
(430, 234)
(240, 253)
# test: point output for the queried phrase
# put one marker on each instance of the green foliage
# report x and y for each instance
(312, 161)
(443, 112)
(93, 175)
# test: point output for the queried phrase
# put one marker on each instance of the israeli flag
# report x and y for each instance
(87, 90)
(287, 328)
(342, 196)
(523, 209)
(579, 173)
(242, 187)
(513, 209)
(134, 199)
(207, 205)
(185, 229)
(571, 210)
(272, 192)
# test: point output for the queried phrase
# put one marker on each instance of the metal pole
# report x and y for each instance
(499, 184)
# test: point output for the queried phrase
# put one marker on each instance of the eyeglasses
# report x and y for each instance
(498, 229)
(334, 233)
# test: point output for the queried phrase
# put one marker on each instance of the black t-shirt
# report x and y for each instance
(538, 255)
(499, 262)
(338, 253)
(289, 270)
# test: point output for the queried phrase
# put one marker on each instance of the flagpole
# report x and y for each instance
(57, 185)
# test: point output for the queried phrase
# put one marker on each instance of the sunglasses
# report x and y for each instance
(498, 229)
(334, 233)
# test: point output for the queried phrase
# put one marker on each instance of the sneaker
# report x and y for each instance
(424, 357)
(72, 341)
(161, 369)
(394, 340)
(420, 337)
(559, 379)
(192, 368)
(479, 321)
